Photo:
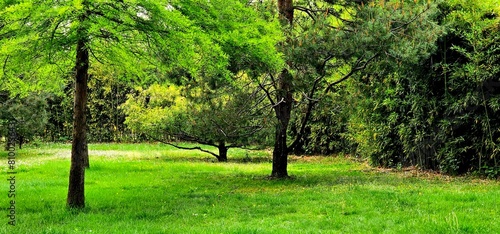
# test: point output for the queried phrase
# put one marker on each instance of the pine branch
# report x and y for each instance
(357, 67)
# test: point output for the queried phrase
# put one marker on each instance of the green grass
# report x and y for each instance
(152, 188)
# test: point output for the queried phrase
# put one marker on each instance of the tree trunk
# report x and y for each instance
(283, 112)
(285, 8)
(79, 150)
(222, 152)
(21, 141)
(284, 102)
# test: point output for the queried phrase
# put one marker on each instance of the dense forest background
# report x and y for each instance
(426, 94)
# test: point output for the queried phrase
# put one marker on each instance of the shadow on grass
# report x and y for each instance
(239, 160)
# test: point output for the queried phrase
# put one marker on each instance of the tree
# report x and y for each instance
(327, 42)
(29, 113)
(230, 117)
(49, 40)
(233, 107)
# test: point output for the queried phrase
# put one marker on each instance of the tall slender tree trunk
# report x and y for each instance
(284, 102)
(21, 141)
(79, 150)
(283, 112)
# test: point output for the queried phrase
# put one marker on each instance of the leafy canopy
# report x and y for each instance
(147, 39)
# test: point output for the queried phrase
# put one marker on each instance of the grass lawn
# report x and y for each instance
(151, 188)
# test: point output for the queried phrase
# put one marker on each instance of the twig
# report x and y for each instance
(351, 72)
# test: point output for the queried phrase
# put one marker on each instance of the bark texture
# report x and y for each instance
(222, 152)
(284, 103)
(79, 150)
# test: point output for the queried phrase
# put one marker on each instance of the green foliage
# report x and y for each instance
(139, 38)
(131, 43)
(347, 38)
(60, 112)
(439, 111)
(390, 97)
(107, 91)
(155, 108)
(326, 129)
(246, 38)
(215, 106)
(470, 103)
(231, 115)
(28, 113)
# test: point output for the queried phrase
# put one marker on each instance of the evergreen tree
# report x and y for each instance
(327, 42)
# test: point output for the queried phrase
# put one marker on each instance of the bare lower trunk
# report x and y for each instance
(222, 152)
(283, 112)
(21, 141)
(79, 150)
(280, 155)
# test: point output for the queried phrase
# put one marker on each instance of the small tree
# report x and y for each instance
(28, 112)
(222, 112)
(229, 118)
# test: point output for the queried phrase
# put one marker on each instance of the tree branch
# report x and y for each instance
(310, 106)
(93, 55)
(5, 64)
(306, 10)
(185, 148)
(410, 21)
(187, 137)
(191, 148)
(356, 68)
(267, 94)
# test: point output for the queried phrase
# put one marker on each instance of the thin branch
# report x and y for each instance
(5, 64)
(187, 137)
(191, 148)
(185, 148)
(323, 65)
(281, 101)
(93, 55)
(267, 94)
(351, 72)
(52, 35)
(411, 21)
(310, 99)
(306, 10)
